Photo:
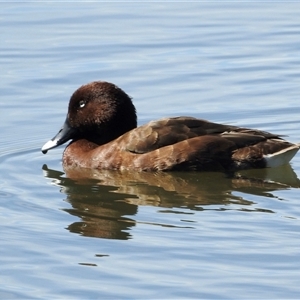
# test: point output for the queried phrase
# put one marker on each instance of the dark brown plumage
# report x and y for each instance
(101, 122)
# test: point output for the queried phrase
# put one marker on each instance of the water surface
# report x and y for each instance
(122, 235)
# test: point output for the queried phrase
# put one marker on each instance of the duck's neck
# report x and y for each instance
(76, 152)
(85, 154)
(104, 135)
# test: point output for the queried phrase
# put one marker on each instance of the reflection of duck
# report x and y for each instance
(100, 209)
(101, 121)
(105, 200)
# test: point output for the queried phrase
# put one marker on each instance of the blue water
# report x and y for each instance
(133, 236)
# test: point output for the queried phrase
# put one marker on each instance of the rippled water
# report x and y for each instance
(179, 235)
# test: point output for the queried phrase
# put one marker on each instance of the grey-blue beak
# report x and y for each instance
(65, 134)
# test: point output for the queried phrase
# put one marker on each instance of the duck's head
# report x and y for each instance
(98, 112)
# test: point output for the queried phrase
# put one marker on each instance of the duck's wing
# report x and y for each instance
(191, 144)
(169, 131)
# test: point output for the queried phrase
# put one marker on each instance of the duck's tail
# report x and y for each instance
(281, 157)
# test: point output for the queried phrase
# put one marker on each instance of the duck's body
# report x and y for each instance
(101, 123)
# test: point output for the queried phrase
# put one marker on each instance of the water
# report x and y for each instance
(179, 235)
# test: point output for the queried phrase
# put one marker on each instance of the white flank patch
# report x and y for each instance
(281, 157)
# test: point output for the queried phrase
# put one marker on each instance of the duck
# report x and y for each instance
(101, 125)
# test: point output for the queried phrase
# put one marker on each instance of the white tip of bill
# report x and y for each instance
(49, 145)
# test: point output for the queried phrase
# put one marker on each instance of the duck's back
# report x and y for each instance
(169, 131)
(186, 143)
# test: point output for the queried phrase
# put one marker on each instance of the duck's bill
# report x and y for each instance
(65, 134)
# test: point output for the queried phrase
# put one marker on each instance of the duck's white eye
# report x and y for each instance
(81, 103)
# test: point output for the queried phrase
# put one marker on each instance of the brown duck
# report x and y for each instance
(102, 126)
